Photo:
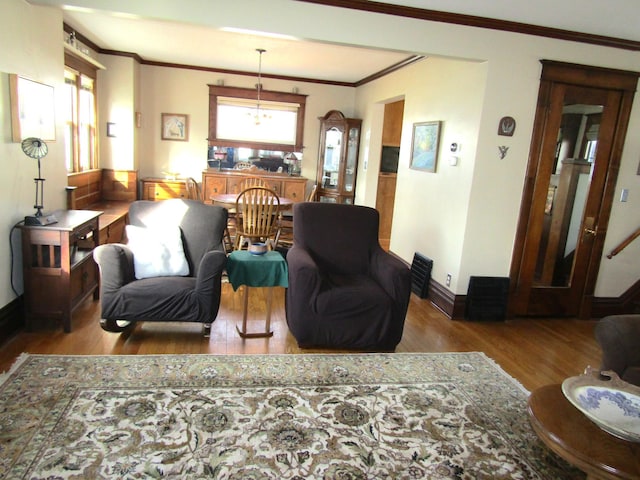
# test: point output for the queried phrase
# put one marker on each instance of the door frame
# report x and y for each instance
(553, 72)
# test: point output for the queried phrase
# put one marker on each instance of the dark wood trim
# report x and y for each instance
(588, 76)
(119, 53)
(393, 68)
(11, 318)
(628, 302)
(268, 95)
(480, 22)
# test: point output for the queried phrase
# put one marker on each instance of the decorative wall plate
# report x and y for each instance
(606, 400)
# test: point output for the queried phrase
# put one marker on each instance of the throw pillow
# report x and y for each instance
(157, 252)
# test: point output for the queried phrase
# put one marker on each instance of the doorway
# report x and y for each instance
(580, 126)
(386, 192)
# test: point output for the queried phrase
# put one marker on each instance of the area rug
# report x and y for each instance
(342, 417)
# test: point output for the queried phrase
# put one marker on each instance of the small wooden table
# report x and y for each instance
(570, 434)
(229, 200)
(267, 270)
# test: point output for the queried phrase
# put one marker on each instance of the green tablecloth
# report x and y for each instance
(268, 270)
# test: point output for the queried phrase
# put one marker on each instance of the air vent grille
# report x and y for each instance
(421, 275)
(487, 298)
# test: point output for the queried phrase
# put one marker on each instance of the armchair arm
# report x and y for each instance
(305, 278)
(115, 261)
(211, 266)
(392, 275)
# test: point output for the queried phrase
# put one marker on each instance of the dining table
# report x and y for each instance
(228, 200)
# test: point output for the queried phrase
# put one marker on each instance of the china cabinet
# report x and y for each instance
(338, 157)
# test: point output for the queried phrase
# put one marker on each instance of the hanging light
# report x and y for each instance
(258, 117)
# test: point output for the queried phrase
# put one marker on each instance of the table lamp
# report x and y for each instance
(37, 148)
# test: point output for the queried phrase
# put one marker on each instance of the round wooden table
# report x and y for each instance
(229, 200)
(570, 434)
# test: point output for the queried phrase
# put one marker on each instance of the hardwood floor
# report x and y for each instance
(534, 351)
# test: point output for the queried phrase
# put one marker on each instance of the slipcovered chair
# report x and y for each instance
(619, 338)
(170, 269)
(344, 290)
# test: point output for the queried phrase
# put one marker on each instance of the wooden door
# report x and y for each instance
(581, 122)
(385, 200)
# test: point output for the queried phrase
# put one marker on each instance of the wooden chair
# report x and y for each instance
(193, 189)
(256, 209)
(247, 182)
(284, 236)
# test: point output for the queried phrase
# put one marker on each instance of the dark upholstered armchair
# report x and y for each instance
(619, 338)
(344, 290)
(170, 269)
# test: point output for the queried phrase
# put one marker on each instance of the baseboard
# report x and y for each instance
(11, 319)
(628, 302)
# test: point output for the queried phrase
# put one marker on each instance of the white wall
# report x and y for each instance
(31, 39)
(117, 104)
(176, 90)
(430, 211)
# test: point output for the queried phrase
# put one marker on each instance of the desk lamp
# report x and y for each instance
(37, 148)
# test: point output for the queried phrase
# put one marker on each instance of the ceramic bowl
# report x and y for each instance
(258, 248)
(606, 400)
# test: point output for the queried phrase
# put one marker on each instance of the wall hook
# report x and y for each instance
(503, 151)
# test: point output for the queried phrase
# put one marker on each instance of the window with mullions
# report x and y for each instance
(80, 119)
(237, 119)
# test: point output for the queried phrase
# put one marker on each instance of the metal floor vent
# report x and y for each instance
(421, 274)
(487, 298)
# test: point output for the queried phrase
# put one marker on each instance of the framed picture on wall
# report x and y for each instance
(32, 109)
(424, 146)
(175, 126)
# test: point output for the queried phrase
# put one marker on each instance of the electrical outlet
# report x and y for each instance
(448, 279)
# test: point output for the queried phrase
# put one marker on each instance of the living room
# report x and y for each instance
(468, 82)
(464, 216)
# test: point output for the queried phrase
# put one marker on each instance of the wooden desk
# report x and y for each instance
(58, 267)
(569, 433)
(228, 200)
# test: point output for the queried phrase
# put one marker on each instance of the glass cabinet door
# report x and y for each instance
(332, 158)
(338, 157)
(352, 160)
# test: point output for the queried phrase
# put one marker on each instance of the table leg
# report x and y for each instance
(243, 332)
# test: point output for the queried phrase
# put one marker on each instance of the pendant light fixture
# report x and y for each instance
(258, 117)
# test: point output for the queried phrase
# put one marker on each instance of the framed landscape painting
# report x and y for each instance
(424, 146)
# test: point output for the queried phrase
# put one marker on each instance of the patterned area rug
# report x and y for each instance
(346, 417)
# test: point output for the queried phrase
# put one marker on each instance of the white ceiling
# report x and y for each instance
(183, 43)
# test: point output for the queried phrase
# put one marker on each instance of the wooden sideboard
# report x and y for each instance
(228, 181)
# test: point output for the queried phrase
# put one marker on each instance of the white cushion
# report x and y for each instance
(157, 251)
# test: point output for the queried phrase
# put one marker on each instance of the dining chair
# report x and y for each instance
(256, 216)
(193, 189)
(284, 236)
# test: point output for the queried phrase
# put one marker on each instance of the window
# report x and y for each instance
(80, 116)
(236, 120)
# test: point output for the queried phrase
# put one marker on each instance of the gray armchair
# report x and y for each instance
(344, 290)
(193, 296)
(619, 338)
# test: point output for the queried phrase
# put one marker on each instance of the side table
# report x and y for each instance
(569, 433)
(267, 270)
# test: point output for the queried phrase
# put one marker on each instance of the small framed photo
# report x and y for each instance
(424, 146)
(175, 126)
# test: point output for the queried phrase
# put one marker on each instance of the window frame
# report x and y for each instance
(216, 91)
(83, 68)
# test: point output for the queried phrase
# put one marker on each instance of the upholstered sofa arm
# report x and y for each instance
(115, 261)
(392, 275)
